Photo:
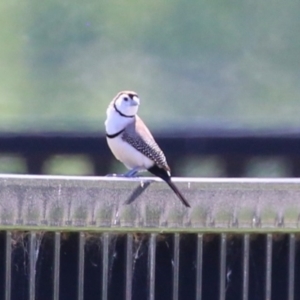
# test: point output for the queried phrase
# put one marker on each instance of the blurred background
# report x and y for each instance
(220, 78)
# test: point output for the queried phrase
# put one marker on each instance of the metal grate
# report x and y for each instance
(173, 266)
(73, 238)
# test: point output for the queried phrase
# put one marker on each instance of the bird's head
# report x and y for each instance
(126, 103)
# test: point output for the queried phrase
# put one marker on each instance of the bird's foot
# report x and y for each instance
(130, 174)
(115, 175)
(133, 173)
(126, 175)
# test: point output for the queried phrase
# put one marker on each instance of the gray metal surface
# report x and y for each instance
(92, 203)
(81, 204)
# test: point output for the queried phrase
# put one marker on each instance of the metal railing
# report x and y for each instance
(73, 238)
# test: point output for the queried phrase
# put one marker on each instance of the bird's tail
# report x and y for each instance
(163, 174)
(177, 192)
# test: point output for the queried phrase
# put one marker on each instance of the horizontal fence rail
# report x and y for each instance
(92, 203)
(74, 238)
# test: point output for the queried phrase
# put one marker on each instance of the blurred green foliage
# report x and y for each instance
(213, 63)
(68, 165)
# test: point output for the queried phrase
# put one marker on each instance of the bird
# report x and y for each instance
(132, 143)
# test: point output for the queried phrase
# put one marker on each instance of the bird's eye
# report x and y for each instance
(125, 98)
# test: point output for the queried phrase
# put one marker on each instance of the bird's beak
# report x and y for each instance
(135, 101)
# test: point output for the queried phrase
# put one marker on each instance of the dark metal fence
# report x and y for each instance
(149, 266)
(234, 148)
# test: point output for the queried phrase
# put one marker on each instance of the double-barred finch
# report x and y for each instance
(132, 143)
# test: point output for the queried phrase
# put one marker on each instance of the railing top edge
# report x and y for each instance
(283, 180)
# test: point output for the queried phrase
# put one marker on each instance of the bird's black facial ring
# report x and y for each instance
(120, 113)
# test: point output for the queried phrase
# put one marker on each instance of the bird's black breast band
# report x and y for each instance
(111, 136)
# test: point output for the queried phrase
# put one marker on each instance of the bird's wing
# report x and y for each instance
(139, 136)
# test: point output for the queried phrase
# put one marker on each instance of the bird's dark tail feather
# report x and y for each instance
(177, 192)
(163, 174)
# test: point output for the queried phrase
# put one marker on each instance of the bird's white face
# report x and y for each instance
(127, 103)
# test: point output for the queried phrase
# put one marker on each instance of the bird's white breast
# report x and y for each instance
(127, 154)
(121, 149)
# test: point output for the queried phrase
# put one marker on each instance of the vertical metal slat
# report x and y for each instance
(199, 267)
(176, 266)
(151, 266)
(246, 252)
(268, 267)
(81, 266)
(291, 268)
(129, 265)
(32, 264)
(56, 265)
(222, 288)
(105, 263)
(8, 265)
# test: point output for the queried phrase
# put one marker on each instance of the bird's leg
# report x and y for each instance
(133, 172)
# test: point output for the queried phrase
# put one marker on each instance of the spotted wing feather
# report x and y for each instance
(138, 135)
